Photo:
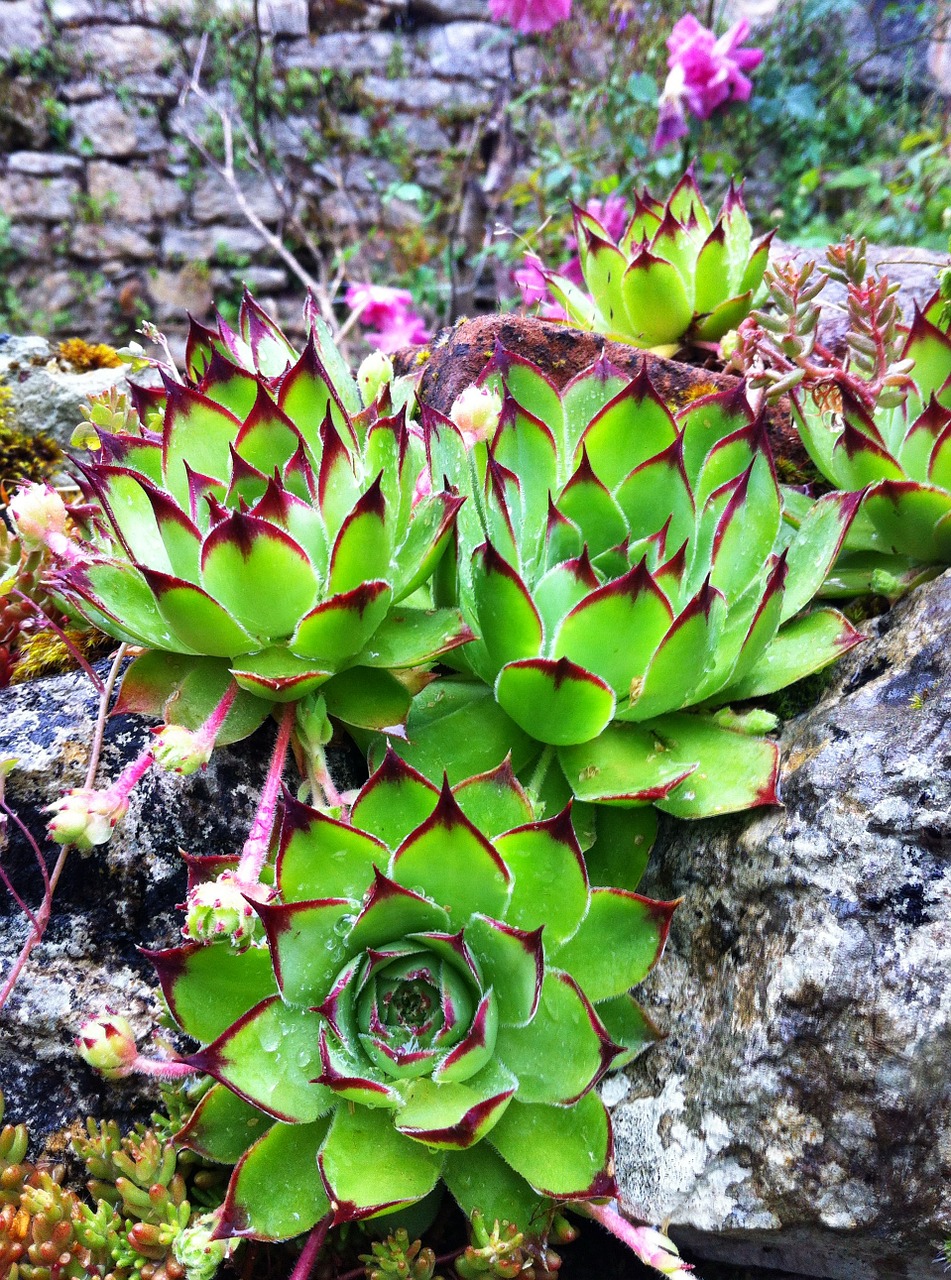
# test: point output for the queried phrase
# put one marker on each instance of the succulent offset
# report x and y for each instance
(258, 523)
(675, 275)
(434, 993)
(898, 454)
(626, 573)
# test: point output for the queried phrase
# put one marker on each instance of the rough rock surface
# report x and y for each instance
(110, 901)
(798, 1116)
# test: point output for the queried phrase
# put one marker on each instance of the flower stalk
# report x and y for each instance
(653, 1248)
(254, 853)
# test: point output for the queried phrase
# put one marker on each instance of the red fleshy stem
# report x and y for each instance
(254, 853)
(315, 1242)
(126, 782)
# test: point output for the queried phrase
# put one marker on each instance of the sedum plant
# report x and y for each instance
(874, 416)
(628, 575)
(253, 522)
(433, 993)
(674, 276)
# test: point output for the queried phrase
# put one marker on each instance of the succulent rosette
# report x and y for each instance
(259, 524)
(438, 993)
(898, 452)
(674, 275)
(626, 573)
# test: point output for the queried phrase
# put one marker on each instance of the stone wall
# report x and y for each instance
(386, 118)
(108, 213)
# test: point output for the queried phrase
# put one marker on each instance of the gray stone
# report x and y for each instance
(264, 279)
(134, 195)
(466, 50)
(95, 242)
(450, 10)
(121, 50)
(422, 133)
(106, 128)
(45, 396)
(172, 293)
(214, 201)
(81, 90)
(77, 13)
(462, 98)
(108, 902)
(42, 164)
(285, 17)
(41, 199)
(203, 244)
(21, 26)
(152, 86)
(350, 52)
(798, 1115)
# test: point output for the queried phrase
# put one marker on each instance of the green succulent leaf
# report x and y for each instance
(628, 764)
(208, 987)
(628, 1026)
(806, 644)
(512, 964)
(563, 1152)
(733, 771)
(414, 637)
(270, 1058)
(550, 883)
(222, 1126)
(368, 698)
(322, 858)
(909, 517)
(394, 802)
(494, 801)
(617, 944)
(369, 1167)
(479, 1179)
(557, 700)
(275, 1193)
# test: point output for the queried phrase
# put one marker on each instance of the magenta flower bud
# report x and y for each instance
(218, 911)
(180, 750)
(39, 518)
(107, 1043)
(85, 817)
(476, 412)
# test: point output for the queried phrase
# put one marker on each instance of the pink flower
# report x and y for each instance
(705, 72)
(529, 16)
(389, 312)
(531, 280)
(611, 212)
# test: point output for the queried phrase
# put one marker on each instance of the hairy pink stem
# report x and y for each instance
(71, 648)
(254, 853)
(127, 780)
(46, 906)
(315, 1242)
(212, 725)
(644, 1242)
(163, 1069)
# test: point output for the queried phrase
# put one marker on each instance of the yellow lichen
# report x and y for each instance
(43, 653)
(83, 355)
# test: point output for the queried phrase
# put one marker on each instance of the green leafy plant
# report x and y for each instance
(434, 993)
(628, 575)
(674, 276)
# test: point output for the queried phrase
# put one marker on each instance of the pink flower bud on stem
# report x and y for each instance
(86, 817)
(652, 1247)
(185, 751)
(107, 1044)
(39, 517)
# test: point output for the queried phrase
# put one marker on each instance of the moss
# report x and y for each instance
(23, 456)
(83, 355)
(801, 696)
(44, 653)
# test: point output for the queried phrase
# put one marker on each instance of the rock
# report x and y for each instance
(109, 902)
(214, 201)
(456, 357)
(121, 50)
(104, 127)
(470, 50)
(203, 244)
(464, 99)
(21, 26)
(798, 1116)
(42, 164)
(173, 292)
(97, 241)
(134, 195)
(449, 10)
(45, 398)
(23, 195)
(349, 52)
